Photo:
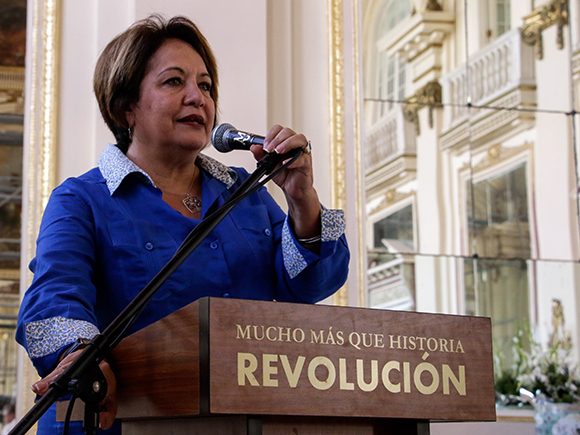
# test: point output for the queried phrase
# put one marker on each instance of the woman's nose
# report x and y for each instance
(194, 95)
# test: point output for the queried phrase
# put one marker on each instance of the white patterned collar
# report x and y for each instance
(115, 166)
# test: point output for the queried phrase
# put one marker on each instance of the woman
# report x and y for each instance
(106, 233)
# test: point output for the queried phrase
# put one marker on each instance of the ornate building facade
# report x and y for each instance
(471, 146)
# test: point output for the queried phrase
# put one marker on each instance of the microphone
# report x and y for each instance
(226, 138)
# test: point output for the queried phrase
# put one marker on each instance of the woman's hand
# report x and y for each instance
(296, 181)
(108, 407)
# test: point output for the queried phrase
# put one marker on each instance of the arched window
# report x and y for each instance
(389, 70)
(392, 13)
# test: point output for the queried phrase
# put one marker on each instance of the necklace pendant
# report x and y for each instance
(192, 203)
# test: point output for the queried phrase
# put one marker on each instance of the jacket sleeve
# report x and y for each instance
(59, 306)
(303, 275)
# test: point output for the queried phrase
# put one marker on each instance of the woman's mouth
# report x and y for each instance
(193, 119)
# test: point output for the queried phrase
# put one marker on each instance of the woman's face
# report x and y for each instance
(175, 107)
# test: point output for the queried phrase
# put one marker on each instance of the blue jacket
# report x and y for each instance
(105, 234)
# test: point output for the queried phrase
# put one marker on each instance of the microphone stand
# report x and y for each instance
(84, 378)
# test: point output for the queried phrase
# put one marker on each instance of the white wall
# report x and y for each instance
(238, 39)
(273, 68)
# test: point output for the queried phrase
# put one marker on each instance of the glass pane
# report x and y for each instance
(9, 299)
(10, 197)
(503, 16)
(499, 289)
(12, 54)
(401, 81)
(498, 214)
(396, 230)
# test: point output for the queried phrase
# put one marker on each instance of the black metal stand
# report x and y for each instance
(81, 378)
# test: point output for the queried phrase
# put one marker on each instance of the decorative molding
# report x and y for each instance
(428, 96)
(394, 173)
(496, 155)
(390, 197)
(483, 124)
(494, 158)
(337, 107)
(40, 150)
(555, 12)
(421, 43)
(426, 5)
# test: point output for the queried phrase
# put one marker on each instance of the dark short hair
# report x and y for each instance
(122, 65)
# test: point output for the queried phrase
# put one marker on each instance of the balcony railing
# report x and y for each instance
(391, 284)
(11, 78)
(390, 137)
(11, 89)
(504, 65)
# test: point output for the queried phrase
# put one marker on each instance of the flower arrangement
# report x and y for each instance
(544, 377)
(551, 373)
(547, 372)
(536, 371)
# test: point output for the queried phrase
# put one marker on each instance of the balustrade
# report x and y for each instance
(501, 67)
(11, 78)
(390, 137)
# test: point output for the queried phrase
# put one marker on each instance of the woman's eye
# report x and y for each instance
(205, 86)
(173, 81)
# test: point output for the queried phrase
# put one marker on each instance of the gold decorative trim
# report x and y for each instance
(428, 96)
(337, 103)
(40, 148)
(555, 12)
(337, 143)
(40, 156)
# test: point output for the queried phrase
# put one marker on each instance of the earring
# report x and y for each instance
(130, 133)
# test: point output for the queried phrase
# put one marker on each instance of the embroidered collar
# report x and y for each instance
(115, 166)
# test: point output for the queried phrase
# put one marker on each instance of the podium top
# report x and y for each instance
(225, 356)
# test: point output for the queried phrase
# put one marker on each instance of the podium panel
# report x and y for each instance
(267, 361)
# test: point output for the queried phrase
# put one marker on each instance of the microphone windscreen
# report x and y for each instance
(218, 137)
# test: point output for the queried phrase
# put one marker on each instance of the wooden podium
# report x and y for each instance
(225, 366)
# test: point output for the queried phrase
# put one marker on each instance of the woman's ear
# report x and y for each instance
(130, 118)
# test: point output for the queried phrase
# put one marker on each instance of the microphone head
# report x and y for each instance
(219, 137)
